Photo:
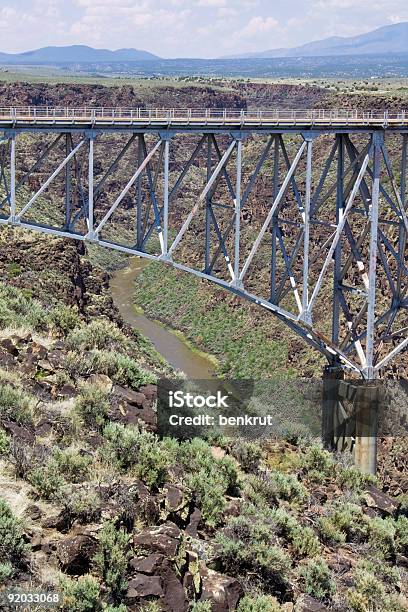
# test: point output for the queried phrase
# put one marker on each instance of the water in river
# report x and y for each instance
(171, 347)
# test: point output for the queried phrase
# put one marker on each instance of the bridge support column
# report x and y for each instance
(350, 417)
(332, 375)
(365, 450)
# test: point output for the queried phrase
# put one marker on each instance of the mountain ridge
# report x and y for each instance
(383, 40)
(76, 53)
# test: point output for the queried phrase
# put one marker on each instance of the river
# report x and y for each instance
(175, 351)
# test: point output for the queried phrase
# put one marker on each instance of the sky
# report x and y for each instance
(189, 28)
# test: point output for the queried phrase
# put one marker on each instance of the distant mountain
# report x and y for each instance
(75, 54)
(388, 39)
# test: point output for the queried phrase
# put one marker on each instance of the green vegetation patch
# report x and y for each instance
(184, 302)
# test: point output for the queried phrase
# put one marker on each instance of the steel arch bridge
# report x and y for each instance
(328, 256)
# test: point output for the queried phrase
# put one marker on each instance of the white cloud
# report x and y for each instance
(258, 25)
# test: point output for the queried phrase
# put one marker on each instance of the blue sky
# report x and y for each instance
(189, 28)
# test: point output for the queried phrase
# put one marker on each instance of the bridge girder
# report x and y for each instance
(332, 234)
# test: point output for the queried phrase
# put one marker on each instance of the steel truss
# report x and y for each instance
(333, 235)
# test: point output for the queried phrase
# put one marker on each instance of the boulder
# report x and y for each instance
(101, 381)
(29, 368)
(135, 416)
(174, 594)
(39, 351)
(195, 520)
(17, 431)
(306, 603)
(33, 512)
(218, 452)
(6, 360)
(45, 365)
(43, 428)
(67, 391)
(60, 521)
(75, 554)
(128, 395)
(375, 498)
(149, 391)
(163, 539)
(175, 498)
(144, 586)
(56, 358)
(222, 591)
(233, 507)
(147, 565)
(20, 339)
(9, 347)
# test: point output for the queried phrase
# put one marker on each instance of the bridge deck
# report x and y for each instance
(192, 119)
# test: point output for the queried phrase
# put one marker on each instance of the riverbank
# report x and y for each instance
(172, 345)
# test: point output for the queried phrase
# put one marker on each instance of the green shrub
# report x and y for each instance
(289, 488)
(71, 464)
(381, 536)
(127, 372)
(370, 595)
(318, 463)
(113, 556)
(99, 334)
(14, 269)
(15, 405)
(61, 467)
(345, 522)
(209, 490)
(84, 506)
(6, 571)
(64, 318)
(150, 606)
(401, 535)
(247, 453)
(269, 487)
(248, 541)
(316, 579)
(208, 478)
(121, 445)
(46, 480)
(263, 603)
(353, 478)
(80, 595)
(19, 310)
(303, 539)
(92, 405)
(202, 606)
(120, 368)
(154, 459)
(384, 572)
(12, 545)
(4, 443)
(129, 448)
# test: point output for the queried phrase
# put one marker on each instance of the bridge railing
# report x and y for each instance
(210, 115)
